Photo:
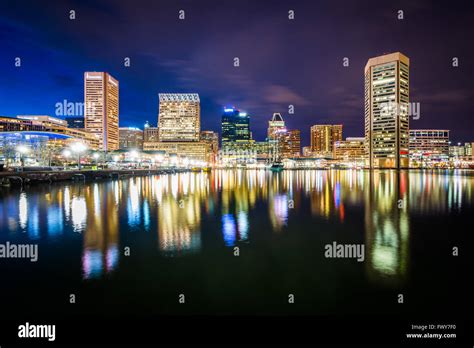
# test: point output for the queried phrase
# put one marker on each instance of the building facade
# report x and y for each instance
(431, 144)
(386, 111)
(130, 138)
(323, 138)
(461, 152)
(212, 138)
(197, 150)
(289, 142)
(179, 117)
(54, 129)
(75, 122)
(275, 125)
(150, 133)
(101, 113)
(235, 126)
(351, 150)
(45, 120)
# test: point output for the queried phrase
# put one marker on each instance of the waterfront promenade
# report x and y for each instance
(8, 178)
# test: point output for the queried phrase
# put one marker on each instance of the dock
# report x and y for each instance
(50, 176)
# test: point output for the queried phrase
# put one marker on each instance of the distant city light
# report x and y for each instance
(78, 147)
(22, 149)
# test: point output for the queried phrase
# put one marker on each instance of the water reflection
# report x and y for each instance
(171, 210)
(387, 226)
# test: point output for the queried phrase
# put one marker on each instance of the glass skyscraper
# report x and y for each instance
(235, 126)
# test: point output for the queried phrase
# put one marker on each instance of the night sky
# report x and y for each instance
(282, 61)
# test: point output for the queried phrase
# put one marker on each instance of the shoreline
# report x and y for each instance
(37, 177)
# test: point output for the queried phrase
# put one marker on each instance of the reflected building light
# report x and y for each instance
(174, 185)
(387, 230)
(185, 184)
(228, 229)
(243, 225)
(78, 214)
(111, 258)
(159, 190)
(91, 264)
(178, 226)
(116, 192)
(33, 222)
(133, 206)
(55, 221)
(146, 215)
(97, 206)
(337, 195)
(384, 259)
(279, 211)
(23, 210)
(67, 203)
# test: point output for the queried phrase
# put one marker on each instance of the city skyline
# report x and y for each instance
(321, 89)
(181, 165)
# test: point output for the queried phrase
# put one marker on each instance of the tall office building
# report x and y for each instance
(289, 143)
(386, 111)
(179, 117)
(101, 118)
(275, 125)
(179, 128)
(323, 137)
(235, 126)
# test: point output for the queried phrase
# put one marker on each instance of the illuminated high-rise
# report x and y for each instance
(235, 126)
(101, 101)
(323, 137)
(179, 117)
(289, 143)
(430, 144)
(386, 111)
(275, 125)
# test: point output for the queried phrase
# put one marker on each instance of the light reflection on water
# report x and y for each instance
(173, 207)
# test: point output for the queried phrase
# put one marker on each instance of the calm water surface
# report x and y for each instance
(182, 231)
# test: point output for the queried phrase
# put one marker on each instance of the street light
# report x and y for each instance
(134, 155)
(78, 148)
(66, 154)
(96, 157)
